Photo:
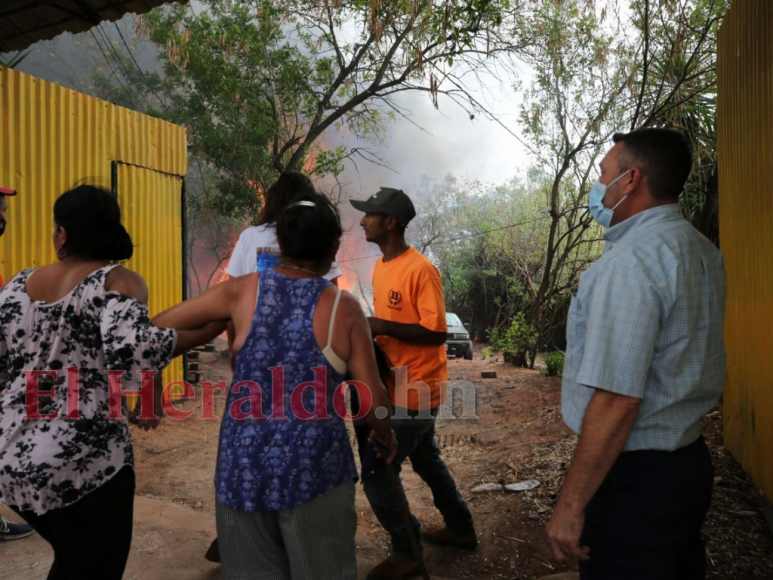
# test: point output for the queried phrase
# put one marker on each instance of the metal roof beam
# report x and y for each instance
(25, 22)
(11, 7)
(22, 33)
(89, 14)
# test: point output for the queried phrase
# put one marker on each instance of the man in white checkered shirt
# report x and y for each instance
(645, 361)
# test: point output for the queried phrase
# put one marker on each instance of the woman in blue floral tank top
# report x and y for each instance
(285, 469)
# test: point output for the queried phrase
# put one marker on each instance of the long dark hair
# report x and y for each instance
(92, 219)
(309, 233)
(289, 185)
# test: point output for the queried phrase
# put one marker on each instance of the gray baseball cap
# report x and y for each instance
(388, 201)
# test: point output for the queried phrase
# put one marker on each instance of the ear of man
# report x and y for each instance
(635, 179)
(392, 223)
(638, 183)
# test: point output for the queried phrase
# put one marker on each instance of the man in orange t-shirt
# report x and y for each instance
(407, 290)
(410, 328)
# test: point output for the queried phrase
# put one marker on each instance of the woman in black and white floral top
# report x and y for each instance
(69, 472)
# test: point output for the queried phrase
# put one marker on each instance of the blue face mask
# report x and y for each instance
(601, 213)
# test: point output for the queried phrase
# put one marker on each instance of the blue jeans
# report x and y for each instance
(416, 441)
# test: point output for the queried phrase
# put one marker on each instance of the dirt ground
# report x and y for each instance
(519, 436)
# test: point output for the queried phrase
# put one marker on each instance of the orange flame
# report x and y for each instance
(357, 259)
(311, 162)
(221, 275)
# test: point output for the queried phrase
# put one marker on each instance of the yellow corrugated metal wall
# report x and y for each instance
(151, 205)
(51, 139)
(745, 152)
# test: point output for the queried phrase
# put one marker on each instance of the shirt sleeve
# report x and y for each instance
(131, 343)
(335, 272)
(622, 313)
(236, 262)
(430, 301)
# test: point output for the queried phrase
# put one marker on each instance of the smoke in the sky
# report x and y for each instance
(431, 144)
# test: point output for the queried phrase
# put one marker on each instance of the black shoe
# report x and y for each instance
(11, 531)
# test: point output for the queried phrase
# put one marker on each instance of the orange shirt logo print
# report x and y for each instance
(394, 300)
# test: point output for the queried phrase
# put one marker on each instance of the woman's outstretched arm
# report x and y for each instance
(188, 339)
(200, 319)
(214, 305)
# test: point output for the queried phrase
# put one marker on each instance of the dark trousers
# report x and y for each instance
(92, 537)
(416, 441)
(645, 520)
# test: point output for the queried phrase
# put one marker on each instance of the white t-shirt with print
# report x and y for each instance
(259, 243)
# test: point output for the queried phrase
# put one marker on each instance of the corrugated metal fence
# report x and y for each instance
(745, 151)
(52, 138)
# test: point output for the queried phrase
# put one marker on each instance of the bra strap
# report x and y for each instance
(333, 319)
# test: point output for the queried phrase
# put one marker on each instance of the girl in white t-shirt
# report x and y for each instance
(257, 248)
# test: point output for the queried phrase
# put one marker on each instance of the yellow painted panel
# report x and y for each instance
(745, 142)
(48, 142)
(53, 138)
(151, 207)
